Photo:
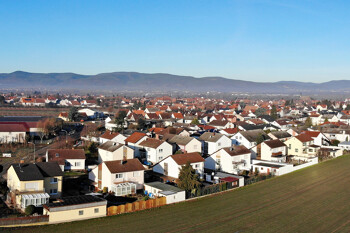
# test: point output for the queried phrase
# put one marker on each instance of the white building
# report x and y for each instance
(120, 177)
(212, 142)
(68, 159)
(172, 165)
(154, 150)
(232, 160)
(173, 194)
(110, 151)
(186, 144)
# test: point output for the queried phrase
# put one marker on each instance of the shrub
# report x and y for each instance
(29, 210)
(105, 190)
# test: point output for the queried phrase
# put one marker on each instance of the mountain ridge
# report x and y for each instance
(162, 82)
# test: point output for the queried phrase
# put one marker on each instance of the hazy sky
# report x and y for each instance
(259, 40)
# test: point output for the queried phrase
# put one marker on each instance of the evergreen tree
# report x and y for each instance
(188, 179)
(274, 112)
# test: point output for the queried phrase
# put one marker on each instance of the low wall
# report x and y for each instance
(24, 220)
(136, 206)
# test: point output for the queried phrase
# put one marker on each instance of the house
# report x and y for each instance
(122, 177)
(172, 165)
(110, 151)
(212, 142)
(33, 184)
(301, 146)
(134, 140)
(75, 208)
(273, 150)
(280, 135)
(186, 144)
(68, 159)
(249, 138)
(319, 138)
(112, 136)
(154, 150)
(173, 194)
(234, 160)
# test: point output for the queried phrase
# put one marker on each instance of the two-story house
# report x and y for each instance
(171, 166)
(122, 177)
(272, 150)
(301, 146)
(212, 142)
(154, 150)
(134, 140)
(185, 144)
(112, 136)
(249, 138)
(234, 160)
(33, 184)
(68, 159)
(110, 151)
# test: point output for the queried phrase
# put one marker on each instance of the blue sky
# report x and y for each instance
(258, 40)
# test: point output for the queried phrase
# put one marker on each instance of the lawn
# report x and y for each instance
(315, 199)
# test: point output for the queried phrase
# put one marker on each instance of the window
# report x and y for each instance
(53, 180)
(196, 166)
(311, 150)
(160, 150)
(77, 164)
(304, 144)
(53, 191)
(261, 168)
(96, 210)
(296, 150)
(119, 175)
(136, 174)
(81, 212)
(219, 144)
(160, 158)
(290, 146)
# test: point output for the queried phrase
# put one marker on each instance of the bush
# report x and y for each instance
(29, 210)
(145, 198)
(105, 190)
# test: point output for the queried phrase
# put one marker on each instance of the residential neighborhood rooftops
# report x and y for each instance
(280, 134)
(182, 159)
(252, 135)
(119, 166)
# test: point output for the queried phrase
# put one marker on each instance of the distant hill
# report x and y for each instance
(161, 82)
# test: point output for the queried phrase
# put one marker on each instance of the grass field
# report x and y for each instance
(315, 199)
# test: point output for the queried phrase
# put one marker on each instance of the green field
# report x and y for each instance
(315, 199)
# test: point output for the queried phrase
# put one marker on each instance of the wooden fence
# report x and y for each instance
(136, 206)
(24, 220)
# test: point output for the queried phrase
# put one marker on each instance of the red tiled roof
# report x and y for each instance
(304, 138)
(231, 130)
(312, 134)
(151, 142)
(135, 137)
(109, 135)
